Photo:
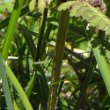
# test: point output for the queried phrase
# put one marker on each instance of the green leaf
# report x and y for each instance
(18, 88)
(5, 85)
(104, 67)
(32, 5)
(41, 5)
(28, 90)
(12, 27)
(65, 6)
(30, 85)
(82, 9)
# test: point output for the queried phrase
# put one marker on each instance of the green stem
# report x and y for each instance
(12, 27)
(5, 22)
(62, 33)
(46, 36)
(41, 35)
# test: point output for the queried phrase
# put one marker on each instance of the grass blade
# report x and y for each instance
(30, 85)
(18, 87)
(5, 22)
(11, 27)
(5, 86)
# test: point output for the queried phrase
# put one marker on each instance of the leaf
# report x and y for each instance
(94, 17)
(30, 85)
(28, 91)
(41, 5)
(11, 27)
(32, 5)
(104, 67)
(5, 86)
(18, 88)
(65, 6)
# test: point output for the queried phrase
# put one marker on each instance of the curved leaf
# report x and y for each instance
(41, 5)
(32, 5)
(82, 9)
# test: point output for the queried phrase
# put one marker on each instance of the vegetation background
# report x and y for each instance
(54, 55)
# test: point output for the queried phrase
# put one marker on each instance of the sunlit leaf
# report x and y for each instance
(41, 5)
(82, 9)
(32, 5)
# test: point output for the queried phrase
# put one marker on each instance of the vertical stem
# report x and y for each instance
(42, 79)
(45, 39)
(62, 32)
(41, 35)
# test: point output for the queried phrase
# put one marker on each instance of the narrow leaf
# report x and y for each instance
(5, 85)
(18, 88)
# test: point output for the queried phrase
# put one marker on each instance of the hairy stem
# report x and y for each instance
(62, 32)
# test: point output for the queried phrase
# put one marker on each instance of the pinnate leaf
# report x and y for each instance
(94, 17)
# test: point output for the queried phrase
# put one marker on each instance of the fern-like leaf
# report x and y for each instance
(65, 6)
(41, 5)
(32, 5)
(94, 16)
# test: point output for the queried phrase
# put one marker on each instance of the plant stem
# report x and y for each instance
(45, 39)
(41, 35)
(62, 33)
(5, 22)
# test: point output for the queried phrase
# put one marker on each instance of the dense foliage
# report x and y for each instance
(54, 55)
